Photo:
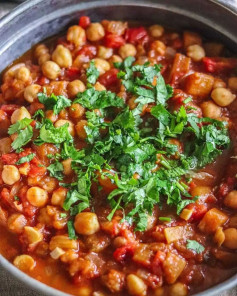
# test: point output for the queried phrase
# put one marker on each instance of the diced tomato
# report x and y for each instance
(156, 264)
(26, 152)
(36, 168)
(43, 80)
(128, 234)
(9, 109)
(216, 65)
(84, 21)
(114, 41)
(88, 50)
(226, 187)
(10, 158)
(199, 210)
(109, 78)
(123, 253)
(72, 73)
(137, 35)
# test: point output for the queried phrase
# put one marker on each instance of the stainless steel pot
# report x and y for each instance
(36, 20)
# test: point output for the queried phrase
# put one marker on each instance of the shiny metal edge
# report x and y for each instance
(35, 285)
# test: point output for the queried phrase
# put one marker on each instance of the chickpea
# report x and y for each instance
(131, 103)
(195, 52)
(37, 196)
(31, 91)
(115, 59)
(59, 196)
(95, 32)
(51, 70)
(76, 35)
(156, 31)
(178, 289)
(76, 111)
(231, 200)
(99, 87)
(67, 167)
(44, 58)
(159, 291)
(33, 234)
(210, 109)
(86, 223)
(40, 50)
(10, 174)
(74, 87)
(232, 83)
(219, 83)
(16, 223)
(159, 47)
(80, 129)
(135, 285)
(62, 122)
(62, 56)
(104, 52)
(101, 65)
(24, 262)
(23, 74)
(19, 114)
(230, 238)
(50, 115)
(127, 50)
(222, 96)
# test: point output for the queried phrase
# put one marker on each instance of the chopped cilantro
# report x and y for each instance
(93, 99)
(56, 170)
(92, 73)
(71, 230)
(63, 215)
(23, 138)
(195, 246)
(53, 102)
(26, 158)
(19, 125)
(16, 198)
(51, 134)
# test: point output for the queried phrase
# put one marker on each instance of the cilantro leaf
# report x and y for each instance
(51, 134)
(23, 138)
(26, 158)
(195, 246)
(93, 99)
(92, 73)
(20, 124)
(71, 230)
(56, 170)
(53, 102)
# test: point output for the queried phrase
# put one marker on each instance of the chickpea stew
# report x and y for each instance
(118, 161)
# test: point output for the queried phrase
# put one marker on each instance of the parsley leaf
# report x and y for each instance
(92, 73)
(195, 246)
(26, 158)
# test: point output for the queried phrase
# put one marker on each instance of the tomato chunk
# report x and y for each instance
(114, 41)
(136, 35)
(84, 21)
(216, 65)
(109, 78)
(9, 109)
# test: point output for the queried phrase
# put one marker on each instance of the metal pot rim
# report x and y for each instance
(41, 287)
